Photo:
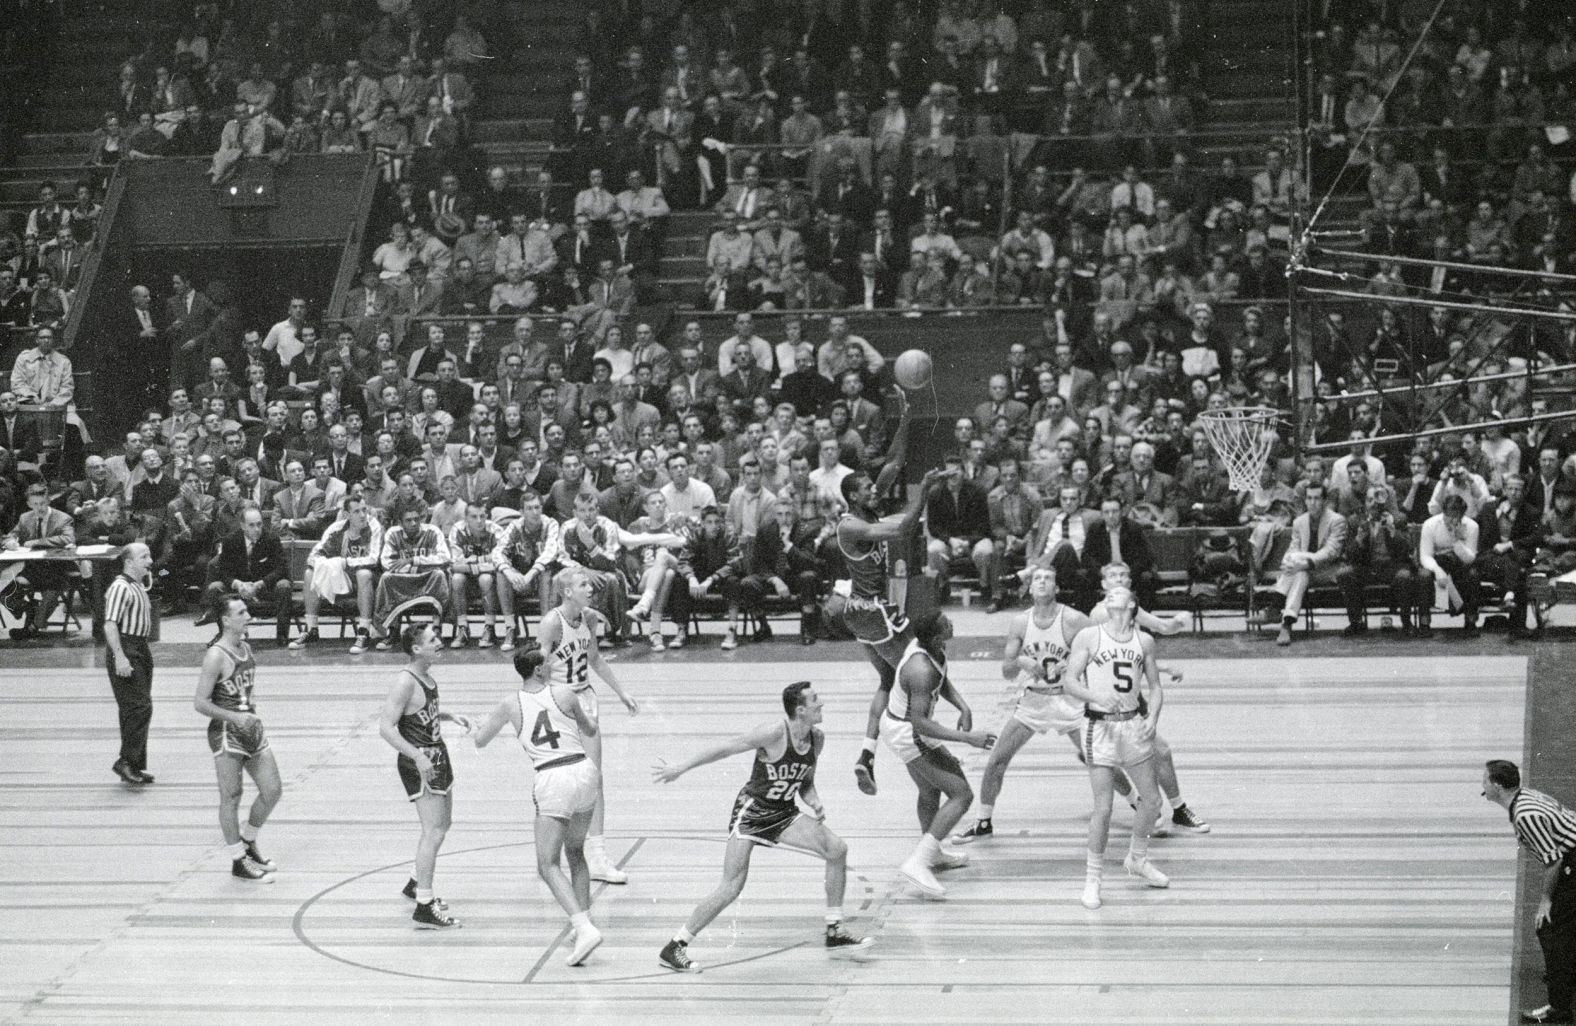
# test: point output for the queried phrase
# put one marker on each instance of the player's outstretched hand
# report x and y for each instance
(632, 705)
(662, 773)
(966, 720)
(1175, 675)
(984, 739)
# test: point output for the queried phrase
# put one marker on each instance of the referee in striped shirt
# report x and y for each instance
(1547, 829)
(128, 621)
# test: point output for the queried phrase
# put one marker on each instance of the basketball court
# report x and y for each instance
(1353, 874)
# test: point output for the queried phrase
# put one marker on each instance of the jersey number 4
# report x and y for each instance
(543, 733)
(1122, 670)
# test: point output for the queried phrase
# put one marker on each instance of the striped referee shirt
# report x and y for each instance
(126, 603)
(1543, 826)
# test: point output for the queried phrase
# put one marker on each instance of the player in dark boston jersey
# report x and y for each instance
(767, 813)
(410, 723)
(237, 739)
(869, 615)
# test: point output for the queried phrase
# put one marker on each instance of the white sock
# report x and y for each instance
(1138, 848)
(869, 745)
(580, 919)
(928, 848)
(986, 810)
(1094, 865)
(236, 850)
(1175, 800)
(596, 848)
(248, 832)
(683, 936)
(424, 895)
(311, 621)
(834, 915)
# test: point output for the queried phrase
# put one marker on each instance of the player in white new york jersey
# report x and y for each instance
(1111, 669)
(568, 637)
(553, 727)
(1038, 643)
(1184, 819)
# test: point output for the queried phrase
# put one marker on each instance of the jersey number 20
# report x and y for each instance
(543, 733)
(1122, 670)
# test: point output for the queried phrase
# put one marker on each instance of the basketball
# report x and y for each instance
(912, 369)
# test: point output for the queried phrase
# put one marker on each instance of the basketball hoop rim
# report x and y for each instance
(1267, 414)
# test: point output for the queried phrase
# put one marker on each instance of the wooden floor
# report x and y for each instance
(1353, 875)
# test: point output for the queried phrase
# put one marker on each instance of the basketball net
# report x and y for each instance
(1242, 437)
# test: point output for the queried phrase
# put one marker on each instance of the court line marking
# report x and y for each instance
(563, 933)
(298, 926)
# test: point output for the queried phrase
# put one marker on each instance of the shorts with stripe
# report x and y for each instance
(1043, 713)
(566, 790)
(1117, 743)
(227, 739)
(761, 822)
(442, 774)
(873, 621)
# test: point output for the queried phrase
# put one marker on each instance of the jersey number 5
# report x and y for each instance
(543, 733)
(1122, 670)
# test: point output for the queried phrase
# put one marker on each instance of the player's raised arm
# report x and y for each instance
(888, 530)
(897, 450)
(761, 737)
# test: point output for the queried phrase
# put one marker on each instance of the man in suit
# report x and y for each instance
(97, 483)
(746, 381)
(1135, 379)
(695, 377)
(833, 248)
(958, 519)
(254, 487)
(1001, 404)
(252, 563)
(187, 313)
(298, 509)
(847, 194)
(575, 351)
(872, 287)
(1318, 541)
(17, 433)
(1078, 385)
(343, 464)
(452, 89)
(1116, 539)
(1142, 485)
(140, 357)
(369, 308)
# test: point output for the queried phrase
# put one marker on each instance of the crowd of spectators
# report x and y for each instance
(429, 463)
(1466, 153)
(855, 157)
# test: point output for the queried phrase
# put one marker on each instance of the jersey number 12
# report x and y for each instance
(543, 733)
